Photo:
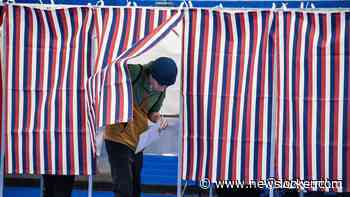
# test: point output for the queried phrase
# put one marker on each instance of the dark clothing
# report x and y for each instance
(126, 169)
(57, 185)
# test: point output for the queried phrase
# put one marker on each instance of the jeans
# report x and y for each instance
(57, 185)
(126, 169)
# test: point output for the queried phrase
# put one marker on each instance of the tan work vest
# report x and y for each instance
(128, 133)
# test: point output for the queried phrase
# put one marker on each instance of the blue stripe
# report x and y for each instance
(319, 95)
(188, 98)
(270, 92)
(81, 94)
(26, 85)
(245, 122)
(225, 86)
(201, 66)
(285, 103)
(236, 77)
(13, 99)
(37, 81)
(294, 93)
(160, 18)
(147, 20)
(332, 102)
(106, 64)
(46, 104)
(137, 19)
(60, 78)
(69, 93)
(109, 38)
(307, 93)
(346, 112)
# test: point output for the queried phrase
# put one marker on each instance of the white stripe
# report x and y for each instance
(33, 107)
(156, 16)
(9, 90)
(45, 88)
(232, 98)
(99, 24)
(142, 23)
(302, 96)
(327, 99)
(341, 97)
(54, 93)
(290, 67)
(281, 97)
(64, 102)
(89, 131)
(21, 92)
(116, 43)
(104, 38)
(264, 164)
(219, 97)
(241, 105)
(75, 130)
(314, 95)
(205, 99)
(185, 136)
(123, 69)
(254, 99)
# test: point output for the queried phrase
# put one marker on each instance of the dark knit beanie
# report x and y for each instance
(164, 71)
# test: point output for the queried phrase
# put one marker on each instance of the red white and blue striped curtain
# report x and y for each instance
(313, 94)
(47, 64)
(228, 61)
(51, 83)
(122, 33)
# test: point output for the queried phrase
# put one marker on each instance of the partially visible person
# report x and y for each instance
(149, 83)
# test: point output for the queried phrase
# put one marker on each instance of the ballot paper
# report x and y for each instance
(148, 137)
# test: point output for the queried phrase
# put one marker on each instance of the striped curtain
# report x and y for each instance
(313, 94)
(119, 32)
(47, 64)
(56, 94)
(227, 93)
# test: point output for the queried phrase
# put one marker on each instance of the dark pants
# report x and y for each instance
(126, 169)
(57, 185)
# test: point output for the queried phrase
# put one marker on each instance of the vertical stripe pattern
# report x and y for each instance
(227, 94)
(313, 96)
(47, 66)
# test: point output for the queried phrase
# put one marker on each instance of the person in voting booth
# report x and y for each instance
(149, 83)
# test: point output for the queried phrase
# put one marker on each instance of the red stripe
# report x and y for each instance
(250, 100)
(17, 25)
(297, 86)
(100, 39)
(114, 44)
(230, 40)
(61, 107)
(84, 63)
(261, 98)
(241, 23)
(310, 96)
(7, 56)
(72, 119)
(337, 98)
(214, 95)
(151, 21)
(323, 96)
(192, 81)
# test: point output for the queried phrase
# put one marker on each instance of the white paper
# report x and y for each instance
(148, 137)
